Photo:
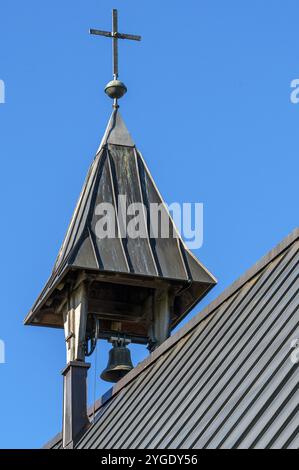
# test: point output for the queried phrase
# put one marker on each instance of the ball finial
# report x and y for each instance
(115, 89)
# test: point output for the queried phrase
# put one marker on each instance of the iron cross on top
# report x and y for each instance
(115, 35)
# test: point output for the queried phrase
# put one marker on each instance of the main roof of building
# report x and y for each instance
(224, 380)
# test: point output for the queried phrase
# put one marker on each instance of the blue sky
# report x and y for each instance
(209, 107)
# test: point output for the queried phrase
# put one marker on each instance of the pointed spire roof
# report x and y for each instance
(116, 132)
(119, 169)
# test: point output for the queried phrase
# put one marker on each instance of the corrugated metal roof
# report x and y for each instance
(120, 170)
(225, 380)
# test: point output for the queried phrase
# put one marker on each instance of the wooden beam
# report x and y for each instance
(136, 281)
(75, 319)
(161, 320)
(114, 308)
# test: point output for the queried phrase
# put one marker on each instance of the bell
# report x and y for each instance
(119, 363)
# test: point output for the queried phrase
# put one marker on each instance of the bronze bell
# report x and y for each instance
(119, 363)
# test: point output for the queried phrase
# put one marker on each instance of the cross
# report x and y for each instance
(116, 36)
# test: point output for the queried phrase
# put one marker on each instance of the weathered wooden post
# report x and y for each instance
(75, 419)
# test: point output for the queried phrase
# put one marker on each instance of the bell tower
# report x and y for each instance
(117, 276)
